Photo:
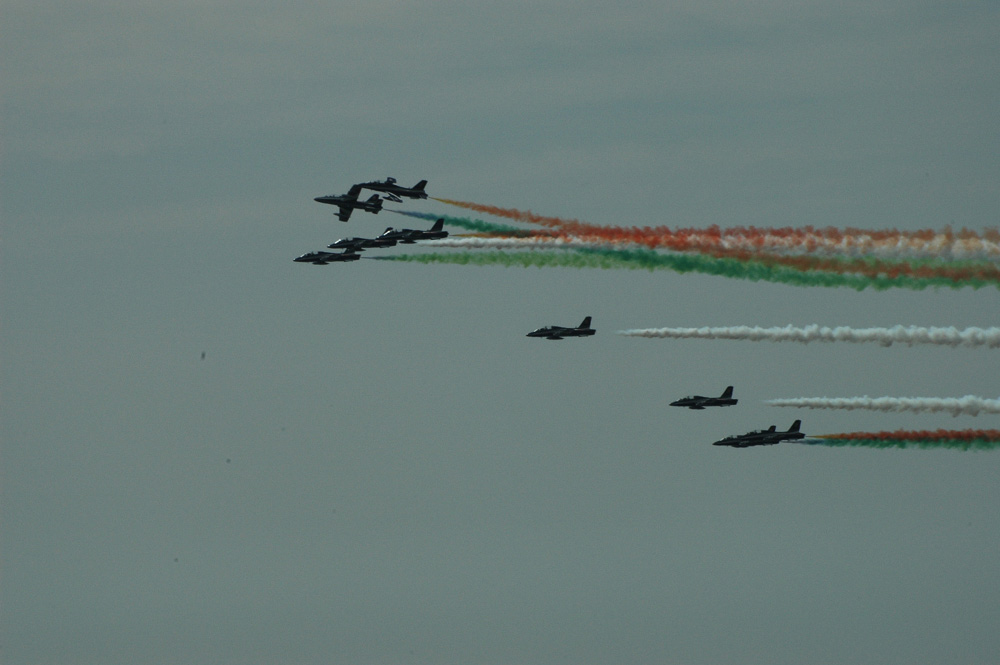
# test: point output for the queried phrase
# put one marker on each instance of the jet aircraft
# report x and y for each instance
(700, 402)
(558, 332)
(323, 258)
(410, 236)
(349, 201)
(767, 437)
(392, 191)
(361, 244)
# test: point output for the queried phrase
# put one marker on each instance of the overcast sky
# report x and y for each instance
(372, 463)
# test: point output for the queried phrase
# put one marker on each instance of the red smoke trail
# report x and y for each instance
(920, 435)
(511, 213)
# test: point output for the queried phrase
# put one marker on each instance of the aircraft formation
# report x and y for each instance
(768, 437)
(350, 249)
(351, 201)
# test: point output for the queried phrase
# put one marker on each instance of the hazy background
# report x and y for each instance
(372, 464)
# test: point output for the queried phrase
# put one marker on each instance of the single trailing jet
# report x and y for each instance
(700, 402)
(348, 202)
(410, 236)
(558, 332)
(767, 437)
(361, 244)
(323, 258)
(392, 191)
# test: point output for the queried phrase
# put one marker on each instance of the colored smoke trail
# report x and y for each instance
(956, 406)
(511, 213)
(855, 243)
(532, 243)
(965, 273)
(891, 243)
(988, 439)
(681, 263)
(909, 335)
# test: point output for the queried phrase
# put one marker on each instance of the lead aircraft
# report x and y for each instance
(700, 402)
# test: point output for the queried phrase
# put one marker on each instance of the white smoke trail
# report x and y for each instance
(968, 405)
(516, 243)
(909, 335)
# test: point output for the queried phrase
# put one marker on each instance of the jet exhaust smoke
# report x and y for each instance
(851, 242)
(956, 406)
(909, 335)
(970, 439)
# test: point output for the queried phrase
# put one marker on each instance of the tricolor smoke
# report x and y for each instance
(956, 406)
(909, 335)
(970, 439)
(966, 273)
(856, 259)
(851, 242)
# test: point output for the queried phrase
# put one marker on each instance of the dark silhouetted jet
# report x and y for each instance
(700, 402)
(558, 332)
(767, 437)
(361, 244)
(349, 201)
(392, 191)
(322, 258)
(410, 236)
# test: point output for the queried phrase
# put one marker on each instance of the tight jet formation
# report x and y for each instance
(347, 203)
(351, 201)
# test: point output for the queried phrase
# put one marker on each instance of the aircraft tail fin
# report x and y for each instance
(420, 185)
(795, 426)
(438, 225)
(585, 324)
(727, 393)
(373, 198)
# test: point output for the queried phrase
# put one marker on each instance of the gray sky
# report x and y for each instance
(372, 464)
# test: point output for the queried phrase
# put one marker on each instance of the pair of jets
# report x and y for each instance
(767, 437)
(349, 202)
(389, 238)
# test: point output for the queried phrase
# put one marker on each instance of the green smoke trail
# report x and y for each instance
(682, 263)
(474, 225)
(953, 444)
